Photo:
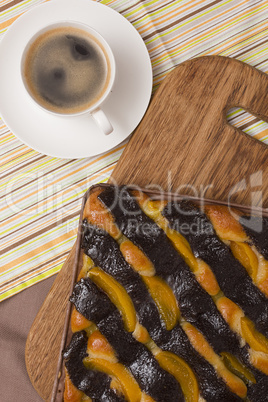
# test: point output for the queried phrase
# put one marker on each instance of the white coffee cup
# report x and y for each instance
(69, 68)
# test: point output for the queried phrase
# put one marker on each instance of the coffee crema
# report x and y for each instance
(66, 70)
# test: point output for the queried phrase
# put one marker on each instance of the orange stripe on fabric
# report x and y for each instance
(35, 229)
(204, 23)
(41, 215)
(24, 151)
(36, 251)
(172, 12)
(7, 135)
(35, 272)
(166, 16)
(40, 204)
(70, 174)
(7, 23)
(238, 38)
(262, 134)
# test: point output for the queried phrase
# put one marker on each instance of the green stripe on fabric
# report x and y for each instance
(30, 282)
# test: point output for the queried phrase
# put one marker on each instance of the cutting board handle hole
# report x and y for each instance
(248, 123)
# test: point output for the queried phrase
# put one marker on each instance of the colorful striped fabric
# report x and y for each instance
(40, 196)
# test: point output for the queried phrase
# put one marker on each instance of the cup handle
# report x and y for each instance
(102, 120)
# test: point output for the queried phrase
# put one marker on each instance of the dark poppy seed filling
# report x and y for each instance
(105, 253)
(195, 304)
(93, 383)
(212, 387)
(231, 276)
(141, 352)
(150, 376)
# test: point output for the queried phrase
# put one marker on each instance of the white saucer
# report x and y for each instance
(76, 137)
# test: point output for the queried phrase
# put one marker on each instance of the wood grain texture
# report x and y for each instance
(44, 339)
(183, 139)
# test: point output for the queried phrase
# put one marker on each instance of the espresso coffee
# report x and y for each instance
(66, 70)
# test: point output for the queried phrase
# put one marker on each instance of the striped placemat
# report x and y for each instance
(40, 196)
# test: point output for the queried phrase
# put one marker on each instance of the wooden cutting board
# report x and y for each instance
(184, 144)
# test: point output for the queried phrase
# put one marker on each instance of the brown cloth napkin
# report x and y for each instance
(16, 317)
